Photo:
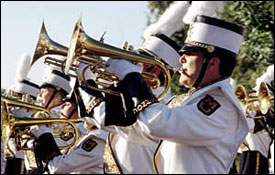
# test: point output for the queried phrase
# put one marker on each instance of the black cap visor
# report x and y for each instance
(189, 47)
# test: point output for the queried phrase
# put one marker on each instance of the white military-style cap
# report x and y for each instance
(22, 83)
(213, 34)
(162, 46)
(56, 79)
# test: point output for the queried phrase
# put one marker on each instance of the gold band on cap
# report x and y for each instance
(209, 48)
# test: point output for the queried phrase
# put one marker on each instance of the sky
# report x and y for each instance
(21, 22)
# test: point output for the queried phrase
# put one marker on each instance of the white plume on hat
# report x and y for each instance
(22, 83)
(267, 77)
(23, 67)
(170, 21)
(207, 8)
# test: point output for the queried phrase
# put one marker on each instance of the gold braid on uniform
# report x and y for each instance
(93, 105)
(144, 104)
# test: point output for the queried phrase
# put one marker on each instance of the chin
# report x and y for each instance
(62, 115)
(185, 83)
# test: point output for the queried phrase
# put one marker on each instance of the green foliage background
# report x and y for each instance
(257, 51)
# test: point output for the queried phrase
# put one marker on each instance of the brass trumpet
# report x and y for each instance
(85, 48)
(264, 99)
(10, 124)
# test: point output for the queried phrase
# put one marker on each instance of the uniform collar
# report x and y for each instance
(193, 90)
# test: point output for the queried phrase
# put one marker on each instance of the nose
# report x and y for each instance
(40, 95)
(62, 106)
(182, 59)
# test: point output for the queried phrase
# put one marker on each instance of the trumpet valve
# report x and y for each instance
(131, 48)
(125, 45)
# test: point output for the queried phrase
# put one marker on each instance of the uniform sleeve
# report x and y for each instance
(88, 155)
(188, 124)
(99, 119)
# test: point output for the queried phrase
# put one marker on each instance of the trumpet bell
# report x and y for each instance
(46, 45)
(241, 95)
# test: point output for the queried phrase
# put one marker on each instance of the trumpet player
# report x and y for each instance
(256, 149)
(24, 90)
(55, 86)
(207, 126)
(125, 153)
(85, 157)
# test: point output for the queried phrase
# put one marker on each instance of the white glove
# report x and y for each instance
(30, 143)
(12, 146)
(122, 67)
(88, 74)
(37, 131)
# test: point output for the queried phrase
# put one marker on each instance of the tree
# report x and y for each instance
(257, 51)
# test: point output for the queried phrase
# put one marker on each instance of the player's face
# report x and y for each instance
(45, 95)
(191, 62)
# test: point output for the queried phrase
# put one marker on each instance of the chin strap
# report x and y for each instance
(79, 101)
(50, 100)
(72, 113)
(202, 73)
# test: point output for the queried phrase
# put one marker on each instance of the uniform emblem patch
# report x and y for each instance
(208, 105)
(66, 137)
(89, 145)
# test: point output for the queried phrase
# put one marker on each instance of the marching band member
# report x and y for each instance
(256, 147)
(55, 86)
(209, 125)
(124, 153)
(85, 157)
(24, 90)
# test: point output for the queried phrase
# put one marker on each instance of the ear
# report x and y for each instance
(58, 97)
(214, 63)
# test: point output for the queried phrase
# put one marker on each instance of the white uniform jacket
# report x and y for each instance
(259, 141)
(200, 136)
(85, 158)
